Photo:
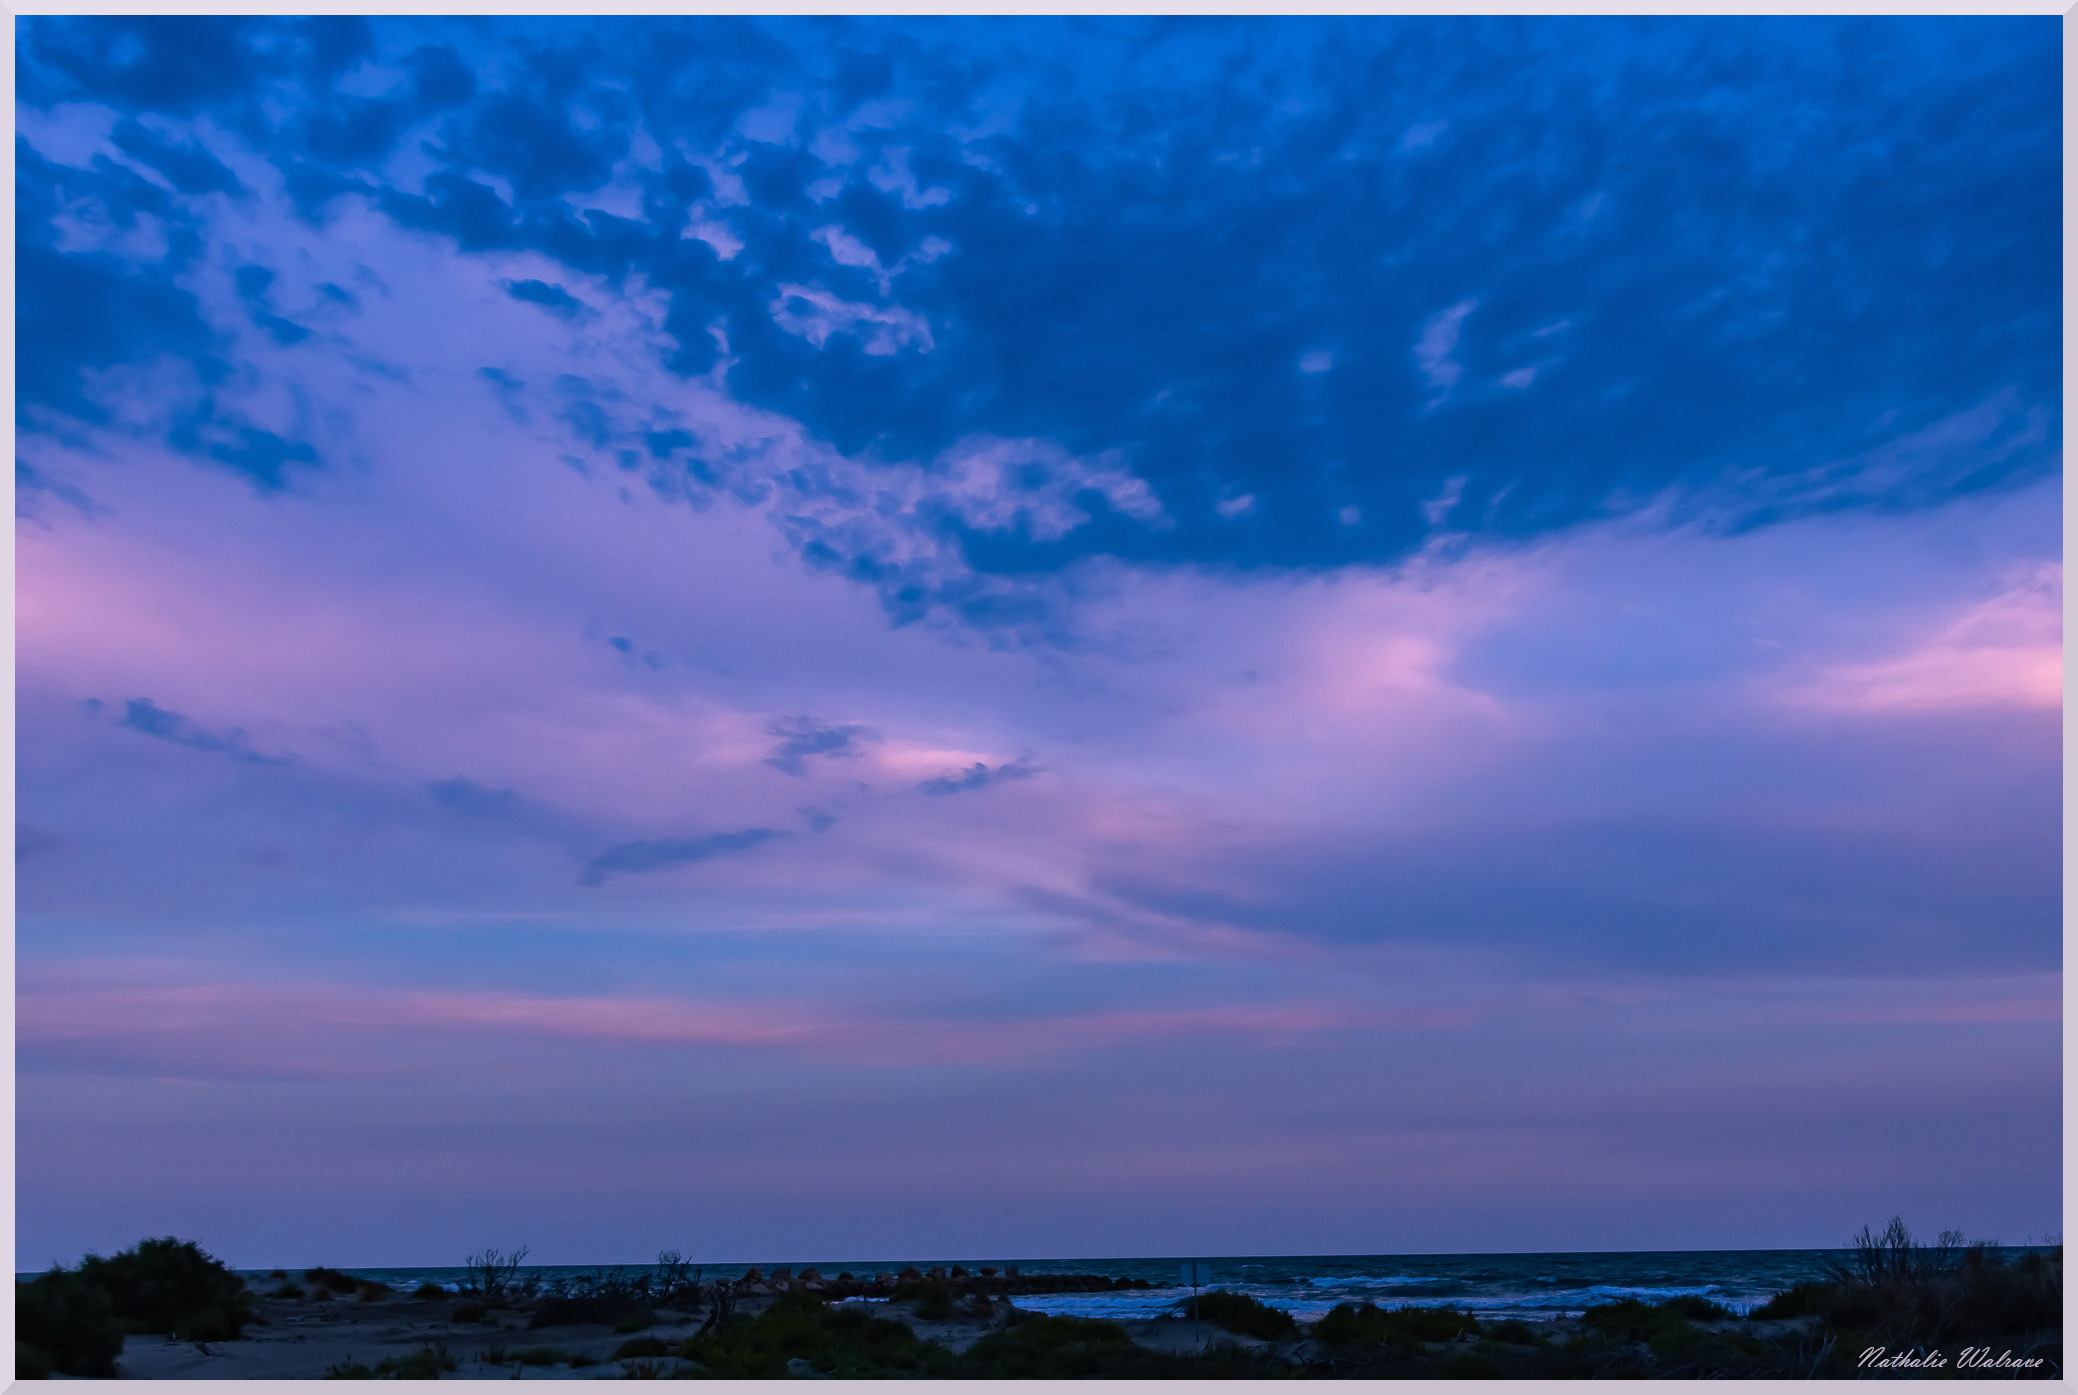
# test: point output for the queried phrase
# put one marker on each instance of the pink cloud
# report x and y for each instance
(2004, 652)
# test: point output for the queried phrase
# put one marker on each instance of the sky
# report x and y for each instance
(1003, 639)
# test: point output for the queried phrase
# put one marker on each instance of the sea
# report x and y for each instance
(1529, 1286)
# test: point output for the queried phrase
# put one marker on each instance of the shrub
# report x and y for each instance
(495, 1271)
(332, 1279)
(1799, 1300)
(171, 1286)
(1240, 1314)
(68, 1323)
(1514, 1330)
(348, 1369)
(642, 1370)
(638, 1321)
(1366, 1324)
(426, 1363)
(429, 1292)
(372, 1292)
(641, 1346)
(494, 1355)
(1063, 1348)
(288, 1291)
(544, 1356)
(846, 1343)
(1891, 1290)
(932, 1297)
(1630, 1319)
(31, 1363)
(1695, 1308)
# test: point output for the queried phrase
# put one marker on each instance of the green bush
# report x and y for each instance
(842, 1342)
(544, 1356)
(68, 1323)
(288, 1291)
(1696, 1308)
(31, 1363)
(1515, 1331)
(1799, 1300)
(1893, 1291)
(932, 1297)
(427, 1363)
(1367, 1324)
(1240, 1314)
(348, 1369)
(171, 1286)
(1631, 1320)
(429, 1292)
(332, 1279)
(1064, 1348)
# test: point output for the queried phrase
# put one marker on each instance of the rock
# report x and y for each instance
(810, 1276)
(988, 1271)
(783, 1275)
(958, 1272)
(753, 1275)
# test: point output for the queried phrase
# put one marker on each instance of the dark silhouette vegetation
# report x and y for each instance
(72, 1322)
(1886, 1292)
(1240, 1314)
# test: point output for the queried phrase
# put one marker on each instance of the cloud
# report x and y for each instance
(143, 715)
(1439, 335)
(803, 737)
(815, 315)
(553, 299)
(472, 800)
(2006, 652)
(656, 854)
(978, 776)
(989, 169)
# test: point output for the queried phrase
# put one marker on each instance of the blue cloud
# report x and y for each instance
(978, 776)
(554, 299)
(144, 715)
(468, 798)
(82, 312)
(656, 854)
(1399, 280)
(802, 737)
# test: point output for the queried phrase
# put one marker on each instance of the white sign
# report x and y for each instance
(1197, 1273)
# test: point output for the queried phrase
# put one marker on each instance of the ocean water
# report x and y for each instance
(1492, 1285)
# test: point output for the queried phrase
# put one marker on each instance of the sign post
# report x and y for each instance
(1196, 1273)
